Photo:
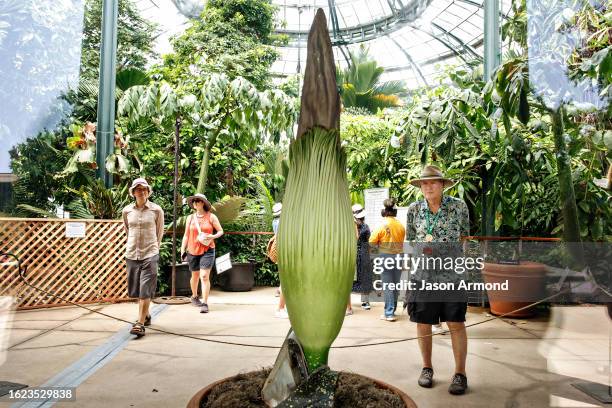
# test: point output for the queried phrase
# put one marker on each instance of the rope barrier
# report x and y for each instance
(500, 317)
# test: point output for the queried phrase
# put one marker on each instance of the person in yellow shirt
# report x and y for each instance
(389, 238)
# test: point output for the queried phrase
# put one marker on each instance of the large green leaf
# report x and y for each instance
(130, 77)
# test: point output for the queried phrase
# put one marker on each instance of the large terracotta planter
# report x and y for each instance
(526, 284)
(196, 400)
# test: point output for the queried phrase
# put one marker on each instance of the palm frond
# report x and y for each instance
(390, 88)
(130, 77)
(29, 211)
(77, 209)
(228, 209)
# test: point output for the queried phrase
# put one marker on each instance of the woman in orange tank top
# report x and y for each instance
(199, 246)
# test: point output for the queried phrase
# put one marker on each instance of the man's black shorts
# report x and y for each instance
(436, 312)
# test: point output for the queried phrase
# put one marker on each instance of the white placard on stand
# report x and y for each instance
(374, 198)
(75, 230)
(223, 263)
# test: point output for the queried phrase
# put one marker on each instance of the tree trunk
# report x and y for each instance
(571, 228)
(487, 220)
(203, 179)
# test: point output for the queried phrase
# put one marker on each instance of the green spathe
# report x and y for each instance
(316, 242)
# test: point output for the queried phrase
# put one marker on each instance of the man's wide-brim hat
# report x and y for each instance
(139, 182)
(432, 173)
(360, 214)
(198, 196)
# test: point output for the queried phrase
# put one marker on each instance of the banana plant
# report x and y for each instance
(216, 108)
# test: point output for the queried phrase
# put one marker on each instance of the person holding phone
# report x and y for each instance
(198, 247)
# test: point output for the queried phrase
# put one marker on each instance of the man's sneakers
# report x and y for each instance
(365, 305)
(195, 301)
(204, 308)
(458, 384)
(426, 378)
(391, 318)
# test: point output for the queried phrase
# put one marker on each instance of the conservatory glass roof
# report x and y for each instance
(412, 39)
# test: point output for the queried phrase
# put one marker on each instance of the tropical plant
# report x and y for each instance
(555, 94)
(135, 38)
(361, 86)
(371, 160)
(232, 37)
(35, 162)
(276, 167)
(510, 151)
(83, 144)
(93, 200)
(38, 164)
(97, 201)
(218, 110)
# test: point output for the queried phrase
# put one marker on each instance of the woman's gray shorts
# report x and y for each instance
(142, 277)
(204, 261)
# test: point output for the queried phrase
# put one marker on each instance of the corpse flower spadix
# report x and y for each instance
(316, 238)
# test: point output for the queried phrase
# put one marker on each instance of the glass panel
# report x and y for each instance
(553, 36)
(40, 54)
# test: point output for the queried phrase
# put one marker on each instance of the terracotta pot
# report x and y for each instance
(526, 284)
(195, 401)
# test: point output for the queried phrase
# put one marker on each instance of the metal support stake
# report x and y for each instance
(105, 130)
(177, 129)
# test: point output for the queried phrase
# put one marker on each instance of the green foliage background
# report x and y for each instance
(495, 137)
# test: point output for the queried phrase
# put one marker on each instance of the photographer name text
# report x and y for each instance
(425, 285)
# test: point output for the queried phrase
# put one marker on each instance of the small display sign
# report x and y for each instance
(75, 230)
(223, 263)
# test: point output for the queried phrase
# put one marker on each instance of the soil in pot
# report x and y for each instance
(352, 391)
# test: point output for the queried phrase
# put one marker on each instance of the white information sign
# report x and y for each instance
(374, 198)
(223, 263)
(75, 230)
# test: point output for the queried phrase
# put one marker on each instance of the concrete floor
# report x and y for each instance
(511, 363)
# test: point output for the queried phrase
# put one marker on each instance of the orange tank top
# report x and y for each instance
(194, 247)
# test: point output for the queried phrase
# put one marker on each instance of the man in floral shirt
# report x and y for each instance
(436, 224)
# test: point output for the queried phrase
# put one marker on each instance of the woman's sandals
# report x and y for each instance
(138, 330)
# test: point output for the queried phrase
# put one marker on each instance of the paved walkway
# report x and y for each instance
(511, 363)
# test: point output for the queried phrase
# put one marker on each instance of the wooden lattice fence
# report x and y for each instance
(82, 270)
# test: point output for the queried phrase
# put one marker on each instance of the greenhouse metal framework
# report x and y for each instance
(412, 40)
